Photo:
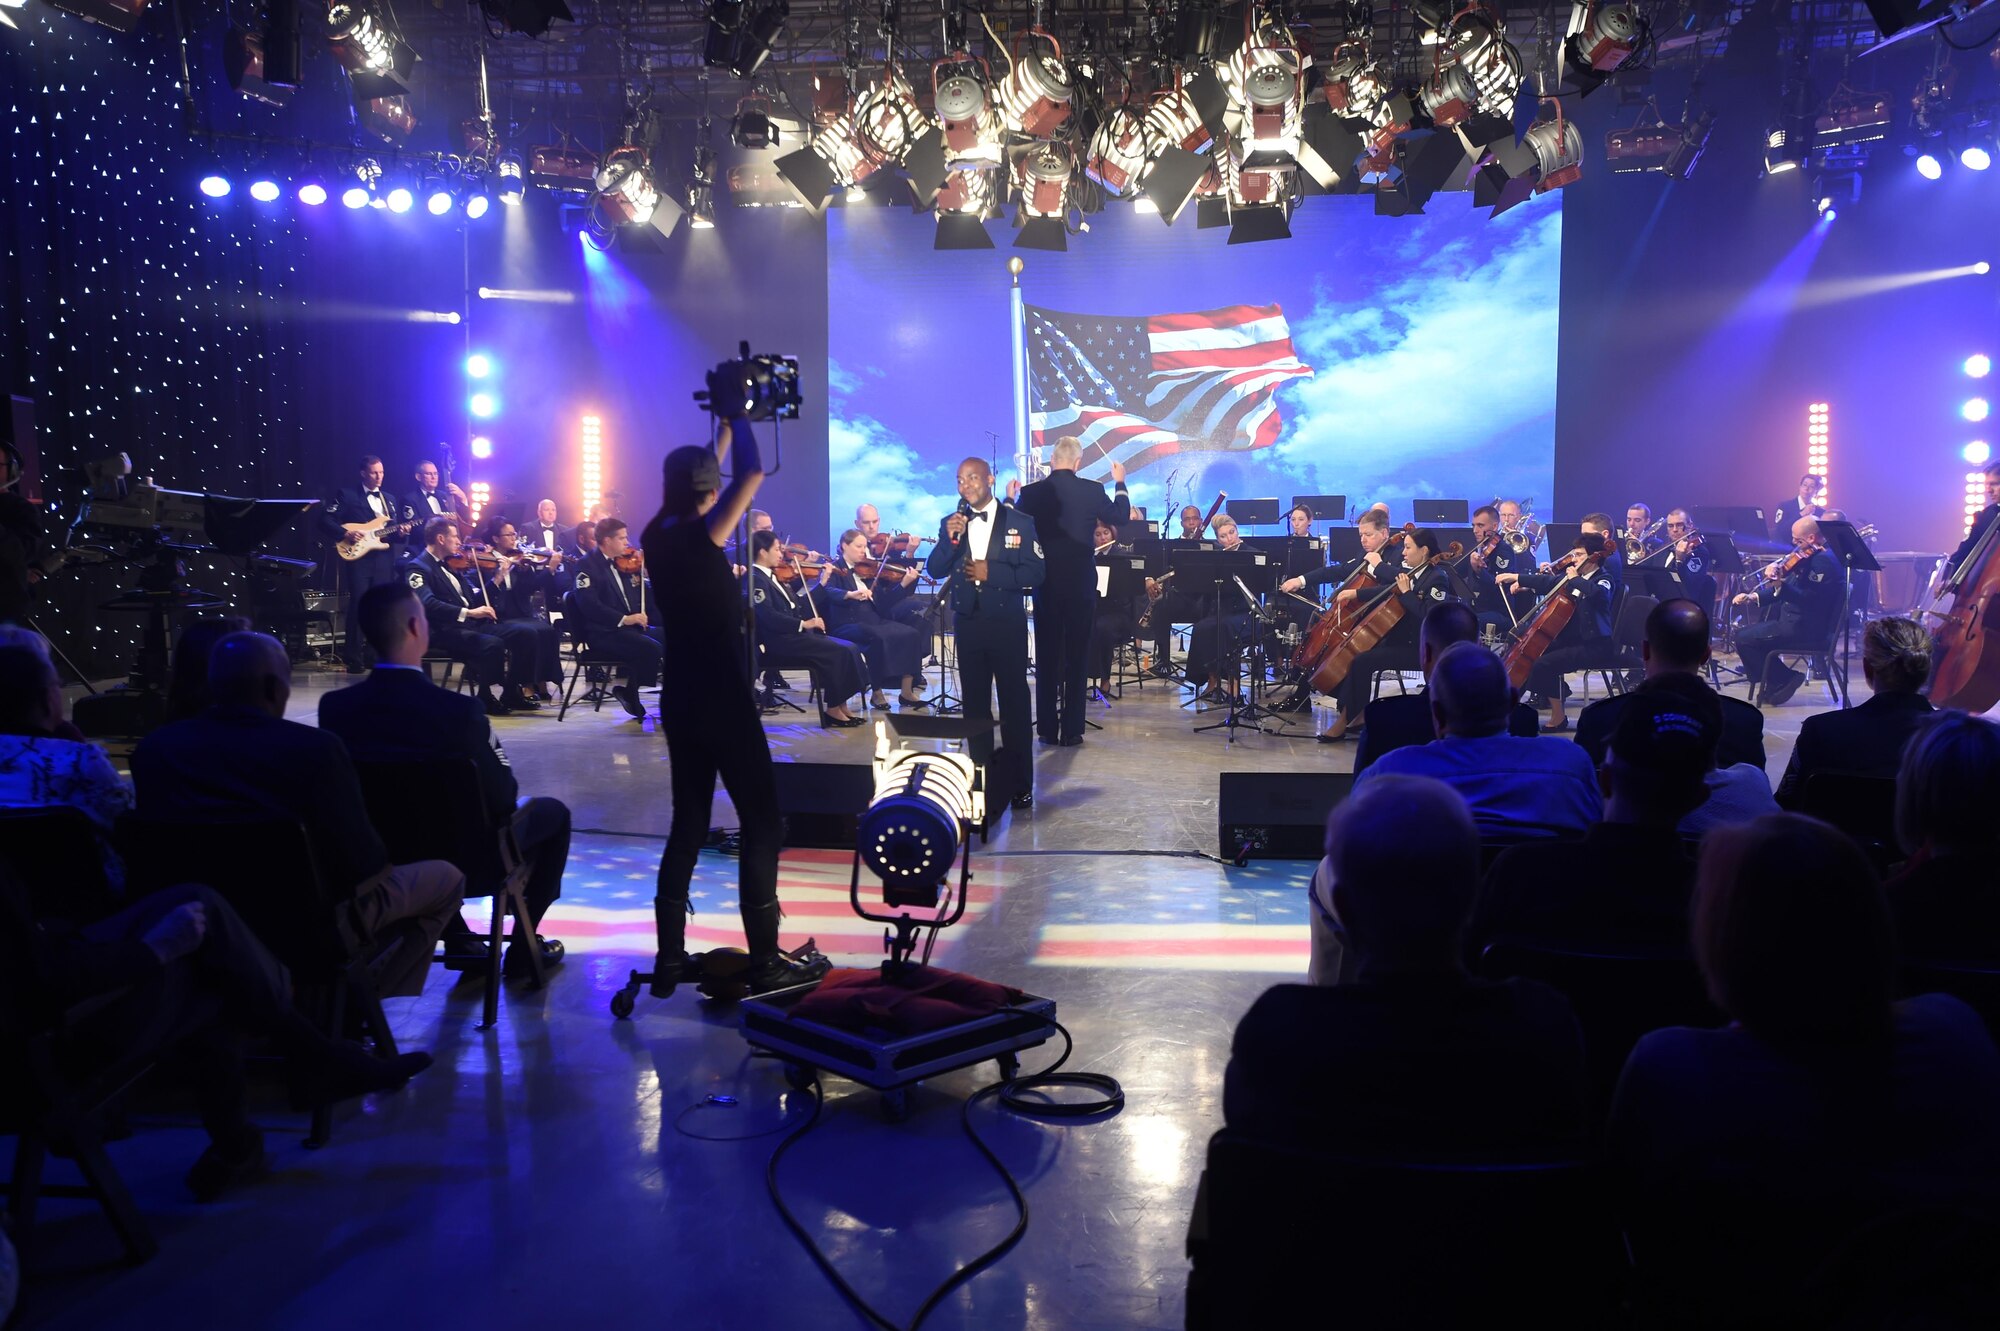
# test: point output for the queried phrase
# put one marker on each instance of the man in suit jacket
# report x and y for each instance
(397, 713)
(429, 502)
(501, 655)
(1868, 740)
(242, 759)
(1676, 643)
(361, 503)
(994, 559)
(545, 532)
(1400, 721)
(1066, 509)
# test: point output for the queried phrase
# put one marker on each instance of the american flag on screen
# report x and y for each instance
(1135, 390)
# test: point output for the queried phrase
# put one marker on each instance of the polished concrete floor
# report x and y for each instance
(566, 1169)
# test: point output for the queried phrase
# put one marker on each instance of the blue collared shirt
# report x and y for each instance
(1516, 787)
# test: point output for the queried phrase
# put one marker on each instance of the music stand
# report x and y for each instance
(1562, 536)
(1222, 569)
(1252, 512)
(1124, 583)
(1431, 512)
(1129, 532)
(1739, 519)
(1846, 545)
(1325, 508)
(1343, 545)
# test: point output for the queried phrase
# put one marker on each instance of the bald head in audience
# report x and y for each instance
(1470, 696)
(250, 670)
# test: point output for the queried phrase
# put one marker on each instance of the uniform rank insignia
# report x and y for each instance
(582, 581)
(416, 580)
(757, 595)
(332, 507)
(1038, 549)
(1437, 593)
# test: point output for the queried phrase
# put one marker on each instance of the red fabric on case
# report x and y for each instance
(924, 999)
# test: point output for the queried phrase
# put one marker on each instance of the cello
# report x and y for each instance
(1337, 620)
(1374, 621)
(1966, 673)
(1545, 623)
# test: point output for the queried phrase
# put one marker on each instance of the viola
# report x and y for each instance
(1534, 635)
(1965, 672)
(1782, 568)
(483, 557)
(1376, 619)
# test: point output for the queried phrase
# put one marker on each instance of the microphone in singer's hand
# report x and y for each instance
(964, 511)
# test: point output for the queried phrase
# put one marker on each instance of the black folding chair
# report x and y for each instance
(1822, 656)
(433, 809)
(597, 667)
(1397, 1243)
(55, 851)
(1864, 807)
(267, 871)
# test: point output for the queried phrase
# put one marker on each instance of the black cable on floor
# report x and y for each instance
(1013, 1094)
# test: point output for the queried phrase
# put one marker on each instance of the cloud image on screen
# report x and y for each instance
(1380, 358)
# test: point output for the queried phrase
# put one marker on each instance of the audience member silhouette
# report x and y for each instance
(1677, 644)
(1946, 900)
(1867, 740)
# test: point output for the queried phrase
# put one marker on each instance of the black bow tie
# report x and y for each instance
(981, 517)
(373, 494)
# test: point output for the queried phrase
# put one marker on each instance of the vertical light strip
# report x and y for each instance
(482, 496)
(1975, 497)
(1817, 436)
(593, 465)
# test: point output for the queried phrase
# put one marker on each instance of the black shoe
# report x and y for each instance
(525, 701)
(780, 971)
(350, 1071)
(1024, 800)
(222, 1167)
(828, 721)
(517, 966)
(1070, 742)
(913, 704)
(666, 974)
(628, 698)
(494, 706)
(1781, 691)
(543, 695)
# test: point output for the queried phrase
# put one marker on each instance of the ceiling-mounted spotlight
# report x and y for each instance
(509, 180)
(1602, 39)
(1549, 156)
(754, 47)
(1785, 149)
(312, 191)
(476, 202)
(1034, 99)
(1671, 150)
(1929, 165)
(1850, 118)
(398, 190)
(378, 63)
(361, 193)
(438, 199)
(265, 190)
(531, 17)
(1042, 175)
(1485, 76)
(751, 126)
(962, 205)
(264, 64)
(701, 193)
(1116, 158)
(1976, 156)
(215, 186)
(625, 189)
(741, 33)
(887, 123)
(1196, 31)
(964, 103)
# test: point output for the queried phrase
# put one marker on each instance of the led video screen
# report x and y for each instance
(1380, 358)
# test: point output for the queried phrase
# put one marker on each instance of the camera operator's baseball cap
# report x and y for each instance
(694, 467)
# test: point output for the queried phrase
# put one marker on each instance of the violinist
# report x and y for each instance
(518, 573)
(895, 651)
(614, 613)
(1802, 596)
(1490, 556)
(1687, 555)
(1421, 584)
(500, 660)
(793, 633)
(1586, 644)
(1215, 644)
(896, 590)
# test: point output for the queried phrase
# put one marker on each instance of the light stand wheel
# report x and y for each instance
(798, 1076)
(626, 999)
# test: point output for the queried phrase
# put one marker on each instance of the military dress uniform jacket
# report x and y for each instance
(1596, 596)
(350, 504)
(604, 594)
(446, 595)
(1806, 604)
(1014, 565)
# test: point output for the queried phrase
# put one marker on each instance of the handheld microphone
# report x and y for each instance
(964, 511)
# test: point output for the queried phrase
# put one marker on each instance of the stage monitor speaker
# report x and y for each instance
(823, 802)
(1278, 815)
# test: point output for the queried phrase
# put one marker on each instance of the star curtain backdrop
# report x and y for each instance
(1431, 342)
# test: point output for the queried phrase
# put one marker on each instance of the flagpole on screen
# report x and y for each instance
(1019, 331)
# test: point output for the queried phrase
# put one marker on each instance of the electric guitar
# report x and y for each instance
(373, 534)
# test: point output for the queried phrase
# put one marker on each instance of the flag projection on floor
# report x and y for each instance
(1138, 390)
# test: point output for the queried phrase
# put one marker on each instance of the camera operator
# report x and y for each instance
(707, 706)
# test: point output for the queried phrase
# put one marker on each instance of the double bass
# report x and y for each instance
(1335, 622)
(1966, 668)
(1538, 632)
(1374, 621)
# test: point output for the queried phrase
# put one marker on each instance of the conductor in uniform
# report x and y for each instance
(993, 557)
(1066, 509)
(358, 504)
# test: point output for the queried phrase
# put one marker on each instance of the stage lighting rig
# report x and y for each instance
(1117, 156)
(562, 168)
(264, 64)
(531, 17)
(117, 15)
(1034, 99)
(1672, 150)
(964, 102)
(1603, 39)
(701, 193)
(1785, 149)
(1479, 71)
(887, 123)
(751, 126)
(1549, 156)
(1850, 118)
(741, 33)
(963, 205)
(626, 193)
(379, 64)
(1042, 176)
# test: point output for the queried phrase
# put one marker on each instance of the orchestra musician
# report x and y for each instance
(361, 503)
(993, 558)
(895, 652)
(1066, 508)
(499, 657)
(1301, 519)
(1488, 604)
(582, 542)
(1113, 619)
(895, 591)
(428, 502)
(1977, 531)
(1372, 528)
(1421, 584)
(511, 591)
(1515, 553)
(1167, 606)
(1586, 644)
(1801, 607)
(1638, 538)
(1216, 642)
(1191, 523)
(612, 610)
(793, 633)
(545, 533)
(1804, 504)
(1687, 555)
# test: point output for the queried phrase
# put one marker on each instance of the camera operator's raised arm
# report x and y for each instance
(734, 501)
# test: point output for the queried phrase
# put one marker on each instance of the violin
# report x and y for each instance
(792, 572)
(1776, 572)
(1534, 635)
(902, 545)
(483, 557)
(632, 561)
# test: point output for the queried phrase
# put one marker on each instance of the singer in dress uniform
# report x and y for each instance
(499, 656)
(793, 633)
(1066, 509)
(613, 616)
(993, 557)
(361, 503)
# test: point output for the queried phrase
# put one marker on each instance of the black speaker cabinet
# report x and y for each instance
(822, 802)
(1278, 815)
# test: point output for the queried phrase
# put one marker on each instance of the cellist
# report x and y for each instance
(1421, 584)
(1804, 604)
(1586, 644)
(1373, 529)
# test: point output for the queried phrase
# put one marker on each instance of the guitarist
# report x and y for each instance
(353, 504)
